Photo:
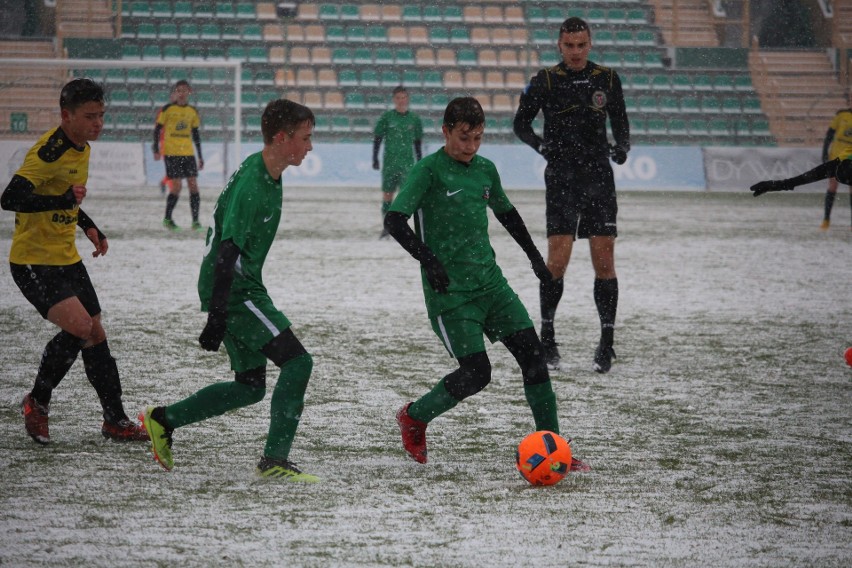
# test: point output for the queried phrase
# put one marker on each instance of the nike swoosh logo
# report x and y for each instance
(266, 219)
(450, 194)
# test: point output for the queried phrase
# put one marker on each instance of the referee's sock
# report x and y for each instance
(194, 205)
(550, 293)
(606, 299)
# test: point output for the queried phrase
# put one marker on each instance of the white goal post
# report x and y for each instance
(29, 96)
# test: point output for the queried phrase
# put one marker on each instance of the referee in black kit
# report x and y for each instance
(576, 97)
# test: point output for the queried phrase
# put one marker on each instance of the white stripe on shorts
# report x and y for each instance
(263, 319)
(444, 337)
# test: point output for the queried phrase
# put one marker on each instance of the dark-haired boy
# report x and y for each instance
(239, 310)
(449, 193)
(179, 123)
(45, 194)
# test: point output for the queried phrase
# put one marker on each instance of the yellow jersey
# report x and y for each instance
(52, 165)
(177, 122)
(841, 145)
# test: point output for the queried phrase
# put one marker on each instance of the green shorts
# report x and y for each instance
(392, 178)
(251, 325)
(497, 315)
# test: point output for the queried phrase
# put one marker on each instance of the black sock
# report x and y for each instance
(606, 299)
(549, 295)
(58, 356)
(171, 201)
(194, 205)
(829, 203)
(102, 372)
(159, 414)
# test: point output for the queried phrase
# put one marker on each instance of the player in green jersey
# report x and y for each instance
(466, 293)
(239, 310)
(400, 128)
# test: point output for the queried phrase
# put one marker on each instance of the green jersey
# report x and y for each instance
(247, 212)
(399, 132)
(448, 200)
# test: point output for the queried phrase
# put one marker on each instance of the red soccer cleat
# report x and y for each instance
(580, 466)
(35, 419)
(413, 434)
(124, 431)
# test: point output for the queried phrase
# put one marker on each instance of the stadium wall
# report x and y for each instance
(690, 168)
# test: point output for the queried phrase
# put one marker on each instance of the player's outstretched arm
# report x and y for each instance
(223, 276)
(93, 233)
(516, 227)
(397, 225)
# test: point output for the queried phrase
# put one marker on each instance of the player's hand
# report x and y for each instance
(541, 271)
(618, 154)
(214, 332)
(200, 164)
(376, 165)
(772, 185)
(157, 156)
(436, 274)
(79, 193)
(101, 244)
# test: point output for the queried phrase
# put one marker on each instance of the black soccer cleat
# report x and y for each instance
(551, 355)
(604, 355)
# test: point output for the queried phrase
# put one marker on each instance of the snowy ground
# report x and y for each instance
(722, 436)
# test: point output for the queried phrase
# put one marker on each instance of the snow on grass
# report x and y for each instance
(721, 437)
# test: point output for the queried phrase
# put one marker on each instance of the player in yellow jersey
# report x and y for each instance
(179, 123)
(45, 194)
(837, 144)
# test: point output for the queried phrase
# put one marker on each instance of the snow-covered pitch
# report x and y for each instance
(721, 437)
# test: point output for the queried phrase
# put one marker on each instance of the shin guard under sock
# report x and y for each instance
(550, 293)
(288, 401)
(171, 201)
(58, 356)
(432, 404)
(213, 400)
(102, 373)
(194, 206)
(606, 299)
(542, 401)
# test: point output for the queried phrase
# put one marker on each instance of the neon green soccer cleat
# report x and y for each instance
(197, 227)
(161, 439)
(170, 225)
(282, 469)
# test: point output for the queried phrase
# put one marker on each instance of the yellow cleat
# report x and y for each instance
(270, 468)
(824, 225)
(161, 439)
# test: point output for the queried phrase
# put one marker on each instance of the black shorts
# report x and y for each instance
(181, 167)
(580, 199)
(45, 286)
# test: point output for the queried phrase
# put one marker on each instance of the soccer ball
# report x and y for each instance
(543, 458)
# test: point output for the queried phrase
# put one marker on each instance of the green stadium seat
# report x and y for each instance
(249, 99)
(661, 83)
(624, 37)
(611, 59)
(743, 83)
(376, 101)
(369, 78)
(723, 83)
(205, 99)
(140, 9)
(212, 124)
(128, 30)
(439, 34)
(711, 104)
(245, 10)
(356, 34)
(404, 56)
(236, 53)
(668, 104)
(189, 31)
(452, 14)
(616, 16)
(637, 16)
(168, 30)
(203, 11)
(130, 51)
(431, 13)
(252, 123)
(220, 76)
(535, 15)
(118, 97)
(322, 124)
(340, 123)
(411, 14)
(125, 121)
(648, 103)
(418, 101)
(252, 32)
(361, 124)
(596, 16)
(651, 60)
(760, 128)
(200, 76)
(172, 52)
(347, 78)
(657, 126)
(467, 57)
(140, 98)
(335, 33)
(751, 105)
(258, 54)
(719, 127)
(632, 59)
(362, 56)
(689, 104)
(640, 82)
(224, 10)
(383, 56)
(698, 127)
(161, 9)
(341, 55)
(390, 79)
(146, 30)
(264, 77)
(702, 83)
(152, 52)
(731, 105)
(432, 78)
(439, 101)
(329, 12)
(412, 78)
(555, 15)
(354, 100)
(681, 82)
(377, 34)
(430, 125)
(677, 127)
(543, 37)
(182, 10)
(644, 38)
(230, 31)
(134, 75)
(350, 12)
(210, 32)
(194, 53)
(638, 126)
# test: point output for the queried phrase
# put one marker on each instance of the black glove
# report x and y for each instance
(376, 165)
(773, 185)
(435, 272)
(541, 271)
(618, 154)
(214, 332)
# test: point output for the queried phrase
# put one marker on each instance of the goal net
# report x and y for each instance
(135, 92)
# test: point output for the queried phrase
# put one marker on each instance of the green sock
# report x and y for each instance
(288, 400)
(211, 401)
(542, 402)
(432, 404)
(385, 207)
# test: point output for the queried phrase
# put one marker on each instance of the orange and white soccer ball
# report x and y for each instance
(543, 458)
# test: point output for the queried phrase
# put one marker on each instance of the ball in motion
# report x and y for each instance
(543, 458)
(849, 356)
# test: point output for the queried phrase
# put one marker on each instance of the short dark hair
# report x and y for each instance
(573, 25)
(283, 115)
(466, 110)
(78, 92)
(181, 83)
(399, 89)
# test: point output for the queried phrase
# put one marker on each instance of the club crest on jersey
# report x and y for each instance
(486, 192)
(598, 99)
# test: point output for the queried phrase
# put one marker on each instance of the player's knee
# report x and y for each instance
(472, 376)
(255, 378)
